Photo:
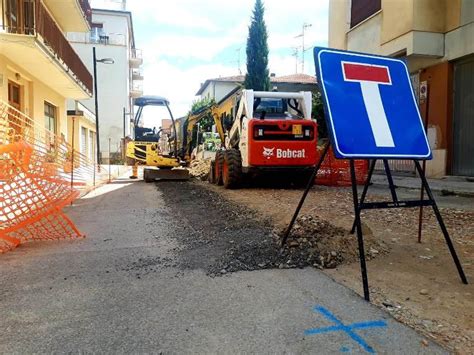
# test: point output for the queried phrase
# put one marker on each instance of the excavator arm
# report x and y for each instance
(212, 110)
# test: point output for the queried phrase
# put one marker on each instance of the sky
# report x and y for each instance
(185, 42)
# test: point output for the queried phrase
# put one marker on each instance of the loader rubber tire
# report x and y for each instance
(218, 168)
(232, 169)
(211, 176)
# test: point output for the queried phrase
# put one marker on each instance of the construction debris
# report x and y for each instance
(199, 169)
(327, 245)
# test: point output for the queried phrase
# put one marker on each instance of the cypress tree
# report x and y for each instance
(257, 77)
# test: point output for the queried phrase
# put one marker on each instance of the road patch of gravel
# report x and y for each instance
(221, 236)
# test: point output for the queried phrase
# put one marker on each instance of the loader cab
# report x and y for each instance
(276, 108)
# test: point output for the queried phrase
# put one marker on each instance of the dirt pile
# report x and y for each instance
(199, 169)
(327, 245)
(313, 242)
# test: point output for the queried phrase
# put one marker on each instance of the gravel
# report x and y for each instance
(222, 237)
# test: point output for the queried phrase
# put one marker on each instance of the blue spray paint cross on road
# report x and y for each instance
(348, 329)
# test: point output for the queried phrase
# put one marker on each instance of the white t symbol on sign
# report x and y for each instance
(370, 77)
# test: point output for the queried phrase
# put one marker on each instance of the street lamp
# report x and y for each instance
(95, 61)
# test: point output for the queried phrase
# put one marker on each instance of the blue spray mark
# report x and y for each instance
(344, 349)
(348, 329)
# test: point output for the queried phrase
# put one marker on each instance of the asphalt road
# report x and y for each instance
(122, 290)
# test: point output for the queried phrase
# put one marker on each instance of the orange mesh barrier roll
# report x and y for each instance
(40, 173)
(337, 172)
(31, 199)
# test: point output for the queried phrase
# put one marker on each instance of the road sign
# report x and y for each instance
(371, 110)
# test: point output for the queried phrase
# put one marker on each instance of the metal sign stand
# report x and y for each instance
(362, 205)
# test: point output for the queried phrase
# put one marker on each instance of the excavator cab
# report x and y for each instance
(145, 148)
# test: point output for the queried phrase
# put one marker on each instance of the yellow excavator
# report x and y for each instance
(145, 148)
(168, 162)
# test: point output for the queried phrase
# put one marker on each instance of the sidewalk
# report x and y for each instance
(106, 174)
(448, 185)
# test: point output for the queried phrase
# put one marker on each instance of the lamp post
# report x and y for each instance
(95, 61)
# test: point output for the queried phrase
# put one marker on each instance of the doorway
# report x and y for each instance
(463, 122)
(15, 101)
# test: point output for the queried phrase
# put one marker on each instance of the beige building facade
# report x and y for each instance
(39, 69)
(436, 38)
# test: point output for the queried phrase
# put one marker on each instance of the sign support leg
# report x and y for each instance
(391, 185)
(366, 188)
(420, 215)
(441, 222)
(363, 266)
(306, 191)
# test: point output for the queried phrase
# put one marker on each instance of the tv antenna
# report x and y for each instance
(303, 49)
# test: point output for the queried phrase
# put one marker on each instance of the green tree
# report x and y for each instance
(257, 77)
(318, 114)
(199, 105)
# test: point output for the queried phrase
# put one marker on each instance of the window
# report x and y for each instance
(91, 145)
(363, 9)
(50, 117)
(14, 95)
(98, 34)
(20, 16)
(84, 141)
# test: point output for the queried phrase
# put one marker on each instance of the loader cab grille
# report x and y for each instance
(289, 132)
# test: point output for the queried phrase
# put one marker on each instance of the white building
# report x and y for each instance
(118, 83)
(219, 88)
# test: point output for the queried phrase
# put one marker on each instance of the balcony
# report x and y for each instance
(136, 58)
(136, 90)
(137, 74)
(71, 15)
(34, 42)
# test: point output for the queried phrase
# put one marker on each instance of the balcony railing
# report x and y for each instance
(137, 53)
(86, 8)
(136, 58)
(38, 22)
(114, 39)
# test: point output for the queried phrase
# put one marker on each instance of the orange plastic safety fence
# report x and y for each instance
(337, 172)
(39, 175)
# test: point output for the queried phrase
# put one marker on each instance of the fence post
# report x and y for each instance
(109, 161)
(72, 153)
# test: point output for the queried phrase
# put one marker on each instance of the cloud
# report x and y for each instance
(195, 46)
(185, 42)
(179, 85)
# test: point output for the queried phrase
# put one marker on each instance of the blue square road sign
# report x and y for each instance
(371, 111)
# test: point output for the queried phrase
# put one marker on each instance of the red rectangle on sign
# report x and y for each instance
(364, 72)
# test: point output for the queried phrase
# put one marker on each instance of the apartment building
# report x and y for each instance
(118, 83)
(39, 69)
(436, 38)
